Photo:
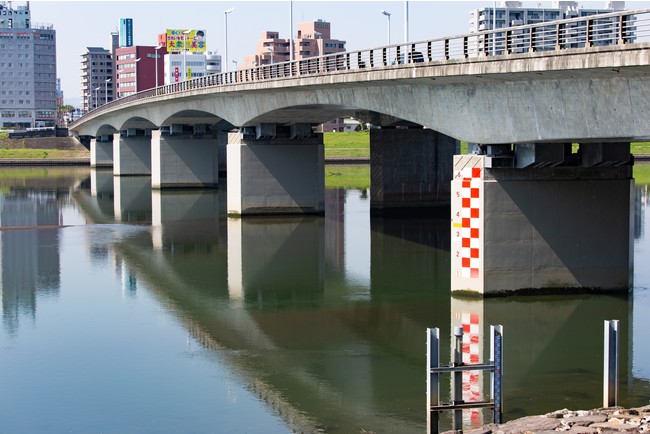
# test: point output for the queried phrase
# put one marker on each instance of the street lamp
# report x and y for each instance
(317, 36)
(225, 14)
(388, 15)
(235, 62)
(156, 51)
(270, 49)
(406, 21)
(135, 66)
(185, 33)
(106, 99)
(95, 100)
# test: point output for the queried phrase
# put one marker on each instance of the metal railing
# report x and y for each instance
(625, 27)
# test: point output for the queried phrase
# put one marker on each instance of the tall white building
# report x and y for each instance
(27, 69)
(512, 13)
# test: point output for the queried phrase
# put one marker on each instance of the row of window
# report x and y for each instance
(126, 65)
(18, 46)
(18, 92)
(126, 56)
(20, 101)
(16, 65)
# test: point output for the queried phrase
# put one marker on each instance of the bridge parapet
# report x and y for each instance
(590, 32)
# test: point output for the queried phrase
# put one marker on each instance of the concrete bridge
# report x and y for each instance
(528, 211)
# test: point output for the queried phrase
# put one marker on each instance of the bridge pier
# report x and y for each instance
(132, 152)
(275, 175)
(101, 151)
(184, 157)
(410, 168)
(543, 228)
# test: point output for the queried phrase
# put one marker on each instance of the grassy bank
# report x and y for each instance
(353, 144)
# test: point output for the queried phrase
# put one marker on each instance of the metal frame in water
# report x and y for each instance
(456, 368)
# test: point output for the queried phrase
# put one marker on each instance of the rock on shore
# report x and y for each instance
(600, 421)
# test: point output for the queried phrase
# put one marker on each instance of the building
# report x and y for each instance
(136, 69)
(189, 48)
(27, 69)
(512, 13)
(96, 78)
(313, 39)
(196, 64)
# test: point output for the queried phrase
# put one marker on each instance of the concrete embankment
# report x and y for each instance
(598, 421)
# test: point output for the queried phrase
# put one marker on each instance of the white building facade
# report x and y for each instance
(512, 13)
(186, 66)
(28, 95)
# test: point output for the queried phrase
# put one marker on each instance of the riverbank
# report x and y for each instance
(597, 421)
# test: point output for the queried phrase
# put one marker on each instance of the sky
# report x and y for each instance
(81, 24)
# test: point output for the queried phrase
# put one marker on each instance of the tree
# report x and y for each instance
(63, 109)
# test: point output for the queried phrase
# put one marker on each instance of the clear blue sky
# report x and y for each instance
(80, 24)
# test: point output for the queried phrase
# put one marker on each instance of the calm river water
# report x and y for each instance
(127, 311)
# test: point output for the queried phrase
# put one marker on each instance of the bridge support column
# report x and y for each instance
(101, 151)
(132, 152)
(275, 176)
(410, 168)
(184, 159)
(541, 228)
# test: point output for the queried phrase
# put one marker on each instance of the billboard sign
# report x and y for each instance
(126, 32)
(194, 41)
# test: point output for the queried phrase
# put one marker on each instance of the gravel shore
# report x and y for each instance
(599, 421)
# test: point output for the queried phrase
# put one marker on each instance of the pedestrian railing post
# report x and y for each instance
(433, 378)
(610, 371)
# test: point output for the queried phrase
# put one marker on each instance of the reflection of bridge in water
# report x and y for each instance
(292, 326)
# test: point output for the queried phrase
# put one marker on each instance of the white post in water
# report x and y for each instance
(433, 379)
(610, 371)
(458, 378)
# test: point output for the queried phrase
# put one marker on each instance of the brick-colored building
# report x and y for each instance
(313, 39)
(136, 69)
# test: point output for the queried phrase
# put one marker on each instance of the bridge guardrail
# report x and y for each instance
(624, 27)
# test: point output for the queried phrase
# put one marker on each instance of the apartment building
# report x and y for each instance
(96, 78)
(313, 39)
(513, 13)
(28, 89)
(136, 69)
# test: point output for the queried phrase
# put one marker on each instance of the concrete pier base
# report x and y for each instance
(101, 151)
(410, 168)
(554, 229)
(131, 154)
(275, 176)
(184, 160)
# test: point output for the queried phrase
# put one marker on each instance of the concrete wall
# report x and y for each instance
(550, 228)
(131, 155)
(183, 160)
(275, 176)
(410, 168)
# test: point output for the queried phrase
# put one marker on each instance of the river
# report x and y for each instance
(130, 311)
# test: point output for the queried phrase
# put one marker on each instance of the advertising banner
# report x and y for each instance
(194, 41)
